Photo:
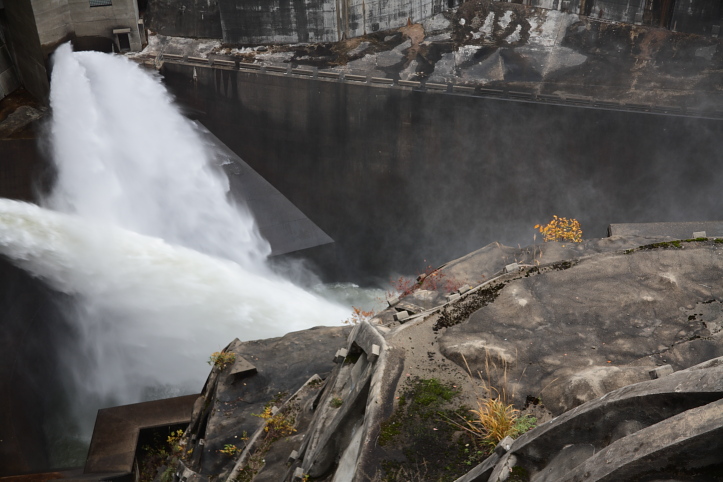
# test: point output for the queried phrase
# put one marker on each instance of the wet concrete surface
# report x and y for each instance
(401, 178)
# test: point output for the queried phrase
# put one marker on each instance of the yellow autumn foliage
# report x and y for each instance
(561, 229)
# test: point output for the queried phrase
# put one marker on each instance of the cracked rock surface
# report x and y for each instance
(571, 334)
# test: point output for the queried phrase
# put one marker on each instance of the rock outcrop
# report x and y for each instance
(618, 337)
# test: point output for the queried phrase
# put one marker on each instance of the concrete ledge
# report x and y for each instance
(242, 367)
(674, 230)
(115, 436)
(450, 88)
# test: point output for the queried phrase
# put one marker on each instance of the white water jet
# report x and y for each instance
(126, 156)
(164, 269)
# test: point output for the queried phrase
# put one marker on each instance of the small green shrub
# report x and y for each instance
(230, 450)
(417, 435)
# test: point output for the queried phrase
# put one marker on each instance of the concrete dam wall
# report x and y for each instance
(401, 178)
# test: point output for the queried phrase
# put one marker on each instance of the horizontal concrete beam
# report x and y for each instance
(447, 89)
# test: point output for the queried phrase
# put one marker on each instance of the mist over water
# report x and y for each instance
(163, 269)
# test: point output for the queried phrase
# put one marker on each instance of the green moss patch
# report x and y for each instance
(420, 438)
(462, 310)
(663, 245)
(677, 244)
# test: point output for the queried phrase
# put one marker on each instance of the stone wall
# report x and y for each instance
(53, 21)
(58, 21)
(292, 21)
(32, 29)
(285, 21)
(102, 21)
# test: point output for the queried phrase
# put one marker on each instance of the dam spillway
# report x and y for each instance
(107, 215)
(400, 177)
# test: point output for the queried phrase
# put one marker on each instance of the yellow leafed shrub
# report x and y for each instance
(561, 229)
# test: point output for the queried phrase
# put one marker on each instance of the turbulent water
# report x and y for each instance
(150, 311)
(162, 268)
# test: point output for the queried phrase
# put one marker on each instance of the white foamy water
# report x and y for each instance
(127, 157)
(151, 312)
(139, 229)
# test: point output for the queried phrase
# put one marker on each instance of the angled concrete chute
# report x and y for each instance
(622, 434)
(682, 441)
(279, 221)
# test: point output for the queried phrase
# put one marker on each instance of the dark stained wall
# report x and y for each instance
(21, 35)
(292, 21)
(704, 17)
(400, 179)
(284, 21)
(185, 18)
(31, 330)
(277, 21)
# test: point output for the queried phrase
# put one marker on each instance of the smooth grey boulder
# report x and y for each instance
(573, 330)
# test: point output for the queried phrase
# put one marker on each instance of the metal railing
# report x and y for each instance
(434, 87)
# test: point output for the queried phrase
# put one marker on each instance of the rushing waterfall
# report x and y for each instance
(162, 267)
(126, 156)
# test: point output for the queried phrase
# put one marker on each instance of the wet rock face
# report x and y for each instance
(552, 51)
(574, 333)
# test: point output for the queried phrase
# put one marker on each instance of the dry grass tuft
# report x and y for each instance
(495, 418)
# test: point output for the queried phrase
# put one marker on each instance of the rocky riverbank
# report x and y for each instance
(619, 338)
